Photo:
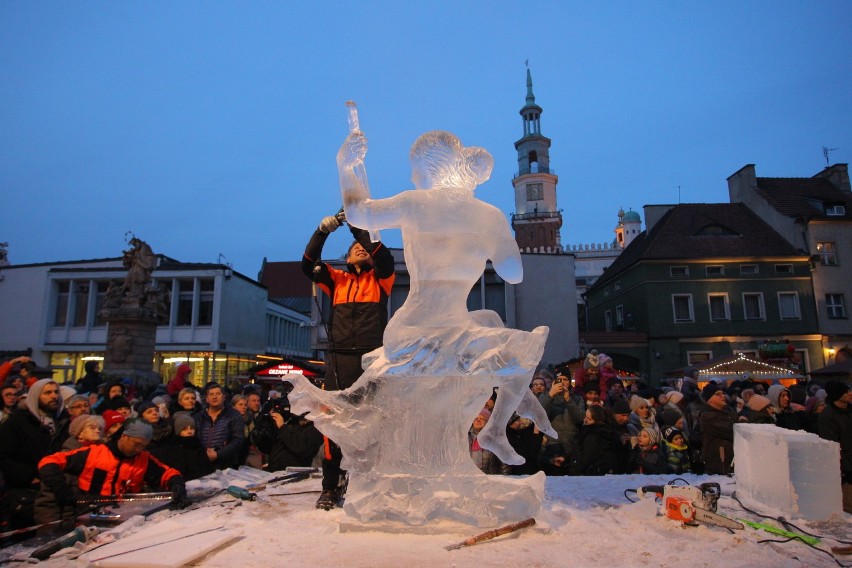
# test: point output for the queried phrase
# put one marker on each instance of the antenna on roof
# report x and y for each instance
(678, 195)
(825, 152)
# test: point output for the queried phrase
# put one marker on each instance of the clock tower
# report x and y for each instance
(536, 220)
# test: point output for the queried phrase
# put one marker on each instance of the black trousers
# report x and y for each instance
(341, 372)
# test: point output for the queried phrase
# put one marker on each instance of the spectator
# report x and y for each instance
(642, 416)
(565, 416)
(117, 467)
(676, 451)
(814, 407)
(120, 405)
(484, 459)
(787, 414)
(111, 389)
(20, 367)
(186, 401)
(85, 430)
(113, 421)
(220, 429)
(835, 424)
(162, 402)
(621, 417)
(599, 444)
(647, 456)
(92, 379)
(688, 384)
(180, 381)
(538, 386)
(148, 412)
(183, 450)
(296, 441)
(77, 405)
(758, 411)
(592, 395)
(716, 424)
(9, 401)
(34, 430)
(526, 440)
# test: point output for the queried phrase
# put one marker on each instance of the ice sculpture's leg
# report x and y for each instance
(531, 408)
(493, 436)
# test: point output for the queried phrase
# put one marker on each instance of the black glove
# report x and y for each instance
(65, 496)
(179, 498)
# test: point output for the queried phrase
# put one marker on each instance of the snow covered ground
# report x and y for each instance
(585, 521)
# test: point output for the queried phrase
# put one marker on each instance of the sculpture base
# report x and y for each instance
(398, 502)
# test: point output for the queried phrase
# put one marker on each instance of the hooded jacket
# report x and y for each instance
(788, 417)
(179, 380)
(29, 435)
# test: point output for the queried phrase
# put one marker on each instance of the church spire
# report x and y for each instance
(531, 112)
(530, 95)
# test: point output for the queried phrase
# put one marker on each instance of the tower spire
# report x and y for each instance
(530, 95)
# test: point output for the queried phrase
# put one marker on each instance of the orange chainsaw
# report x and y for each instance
(691, 504)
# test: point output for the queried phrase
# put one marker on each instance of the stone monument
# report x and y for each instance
(403, 426)
(132, 310)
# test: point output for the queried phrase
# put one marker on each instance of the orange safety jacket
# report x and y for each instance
(102, 469)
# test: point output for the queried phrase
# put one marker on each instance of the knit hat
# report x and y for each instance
(162, 399)
(66, 392)
(76, 399)
(670, 432)
(111, 418)
(709, 390)
(758, 403)
(637, 402)
(182, 420)
(138, 429)
(143, 406)
(592, 361)
(674, 397)
(620, 406)
(82, 421)
(116, 403)
(834, 390)
(670, 416)
(653, 434)
(591, 387)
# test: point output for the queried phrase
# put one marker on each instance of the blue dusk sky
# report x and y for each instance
(210, 128)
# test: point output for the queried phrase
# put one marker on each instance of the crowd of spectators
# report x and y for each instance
(607, 425)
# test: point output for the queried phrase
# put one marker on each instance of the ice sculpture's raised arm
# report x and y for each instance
(354, 187)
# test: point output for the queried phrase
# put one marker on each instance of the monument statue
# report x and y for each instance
(403, 425)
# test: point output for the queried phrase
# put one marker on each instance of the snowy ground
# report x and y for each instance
(585, 521)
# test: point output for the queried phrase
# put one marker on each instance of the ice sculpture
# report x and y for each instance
(403, 425)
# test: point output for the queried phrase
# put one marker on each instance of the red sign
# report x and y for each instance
(284, 369)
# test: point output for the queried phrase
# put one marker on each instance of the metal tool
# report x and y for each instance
(80, 534)
(691, 504)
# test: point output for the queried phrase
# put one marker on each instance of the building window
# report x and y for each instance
(606, 291)
(679, 270)
(748, 269)
(783, 269)
(698, 357)
(835, 210)
(619, 315)
(205, 302)
(827, 254)
(618, 286)
(715, 270)
(718, 307)
(682, 307)
(184, 308)
(753, 306)
(836, 306)
(100, 298)
(608, 320)
(63, 294)
(81, 304)
(788, 305)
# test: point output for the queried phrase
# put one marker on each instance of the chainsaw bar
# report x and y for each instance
(705, 516)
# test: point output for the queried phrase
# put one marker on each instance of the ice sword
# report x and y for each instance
(359, 169)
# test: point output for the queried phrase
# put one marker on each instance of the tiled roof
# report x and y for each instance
(796, 197)
(695, 231)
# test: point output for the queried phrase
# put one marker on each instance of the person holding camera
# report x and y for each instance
(296, 440)
(359, 303)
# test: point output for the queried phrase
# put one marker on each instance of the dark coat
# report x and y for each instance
(226, 435)
(24, 440)
(295, 445)
(717, 433)
(185, 455)
(650, 461)
(599, 449)
(835, 424)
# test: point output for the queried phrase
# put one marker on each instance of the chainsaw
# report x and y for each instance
(691, 504)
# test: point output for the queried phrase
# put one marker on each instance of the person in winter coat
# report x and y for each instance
(296, 443)
(647, 456)
(599, 444)
(85, 430)
(565, 416)
(186, 401)
(183, 450)
(117, 467)
(220, 429)
(835, 424)
(676, 451)
(717, 431)
(92, 379)
(758, 410)
(179, 381)
(642, 416)
(163, 428)
(787, 414)
(484, 459)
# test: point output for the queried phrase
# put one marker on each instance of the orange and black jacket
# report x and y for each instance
(359, 301)
(102, 469)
